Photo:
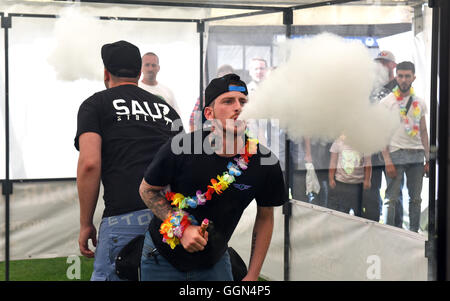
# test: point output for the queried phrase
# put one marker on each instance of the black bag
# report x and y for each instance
(128, 261)
(238, 267)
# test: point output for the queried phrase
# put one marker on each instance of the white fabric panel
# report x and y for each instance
(47, 106)
(330, 245)
(325, 244)
(44, 220)
(241, 242)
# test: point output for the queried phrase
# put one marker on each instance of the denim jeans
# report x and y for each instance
(345, 197)
(114, 233)
(410, 163)
(155, 267)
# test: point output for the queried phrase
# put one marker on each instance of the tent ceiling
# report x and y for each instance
(207, 10)
(247, 3)
(284, 3)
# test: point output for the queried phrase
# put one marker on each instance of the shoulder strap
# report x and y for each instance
(408, 105)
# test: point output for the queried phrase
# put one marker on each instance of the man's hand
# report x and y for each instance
(86, 233)
(366, 185)
(192, 239)
(391, 171)
(426, 169)
(332, 183)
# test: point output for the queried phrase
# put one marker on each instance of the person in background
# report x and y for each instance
(349, 176)
(387, 60)
(195, 120)
(408, 147)
(150, 69)
(257, 71)
(373, 203)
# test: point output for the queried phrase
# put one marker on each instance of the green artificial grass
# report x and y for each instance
(53, 269)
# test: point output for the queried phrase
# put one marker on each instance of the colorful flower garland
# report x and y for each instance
(173, 227)
(411, 131)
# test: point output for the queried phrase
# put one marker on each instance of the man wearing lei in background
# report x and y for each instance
(408, 146)
(213, 176)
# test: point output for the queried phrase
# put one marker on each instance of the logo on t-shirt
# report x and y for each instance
(139, 112)
(350, 160)
(242, 187)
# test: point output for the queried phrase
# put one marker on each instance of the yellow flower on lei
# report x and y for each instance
(177, 200)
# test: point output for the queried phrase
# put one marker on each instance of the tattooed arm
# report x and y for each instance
(262, 234)
(154, 199)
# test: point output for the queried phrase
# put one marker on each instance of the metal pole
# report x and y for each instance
(287, 208)
(443, 214)
(7, 185)
(201, 31)
(430, 249)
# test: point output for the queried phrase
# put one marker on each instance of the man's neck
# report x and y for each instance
(150, 82)
(391, 75)
(404, 94)
(235, 146)
(116, 84)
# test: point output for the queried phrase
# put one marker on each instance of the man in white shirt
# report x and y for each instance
(150, 69)
(408, 146)
(257, 71)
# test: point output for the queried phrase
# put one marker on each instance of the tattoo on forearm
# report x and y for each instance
(253, 245)
(157, 203)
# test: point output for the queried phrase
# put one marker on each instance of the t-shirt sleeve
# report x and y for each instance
(424, 108)
(160, 171)
(335, 147)
(88, 119)
(273, 190)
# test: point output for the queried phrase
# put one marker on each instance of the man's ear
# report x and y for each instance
(106, 78)
(209, 113)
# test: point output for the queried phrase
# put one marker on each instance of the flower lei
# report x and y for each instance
(173, 227)
(411, 131)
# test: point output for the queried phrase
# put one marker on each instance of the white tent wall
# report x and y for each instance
(326, 15)
(44, 215)
(44, 220)
(44, 103)
(49, 102)
(319, 256)
(327, 245)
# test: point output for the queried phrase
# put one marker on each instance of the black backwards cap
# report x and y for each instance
(224, 84)
(122, 59)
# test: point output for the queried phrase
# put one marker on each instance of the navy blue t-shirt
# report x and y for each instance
(133, 124)
(187, 173)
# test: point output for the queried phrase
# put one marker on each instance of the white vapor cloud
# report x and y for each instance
(322, 91)
(78, 40)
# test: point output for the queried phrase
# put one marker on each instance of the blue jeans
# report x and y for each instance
(155, 267)
(410, 163)
(114, 233)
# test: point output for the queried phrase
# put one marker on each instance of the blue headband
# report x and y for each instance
(236, 88)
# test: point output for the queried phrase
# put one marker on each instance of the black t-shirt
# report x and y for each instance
(188, 173)
(133, 124)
